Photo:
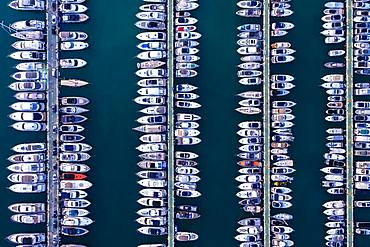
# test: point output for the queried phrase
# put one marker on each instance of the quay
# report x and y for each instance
(349, 124)
(266, 123)
(53, 220)
(170, 121)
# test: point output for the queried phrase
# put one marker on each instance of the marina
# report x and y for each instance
(36, 166)
(168, 124)
(113, 86)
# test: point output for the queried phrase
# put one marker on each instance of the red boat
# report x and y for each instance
(248, 163)
(73, 176)
(185, 28)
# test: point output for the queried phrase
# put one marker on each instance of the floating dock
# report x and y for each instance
(266, 123)
(53, 220)
(349, 124)
(171, 123)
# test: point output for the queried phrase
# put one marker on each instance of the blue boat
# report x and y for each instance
(73, 231)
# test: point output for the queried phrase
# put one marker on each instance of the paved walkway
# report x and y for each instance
(349, 123)
(53, 221)
(170, 119)
(266, 123)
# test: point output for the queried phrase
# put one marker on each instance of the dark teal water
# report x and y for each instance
(113, 86)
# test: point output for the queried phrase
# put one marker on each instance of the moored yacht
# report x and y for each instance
(27, 238)
(74, 18)
(74, 167)
(27, 207)
(76, 203)
(28, 188)
(72, 36)
(25, 45)
(27, 4)
(72, 63)
(27, 178)
(28, 25)
(27, 167)
(29, 218)
(30, 66)
(29, 147)
(73, 231)
(73, 45)
(28, 55)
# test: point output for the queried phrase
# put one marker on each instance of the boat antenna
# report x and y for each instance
(7, 28)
